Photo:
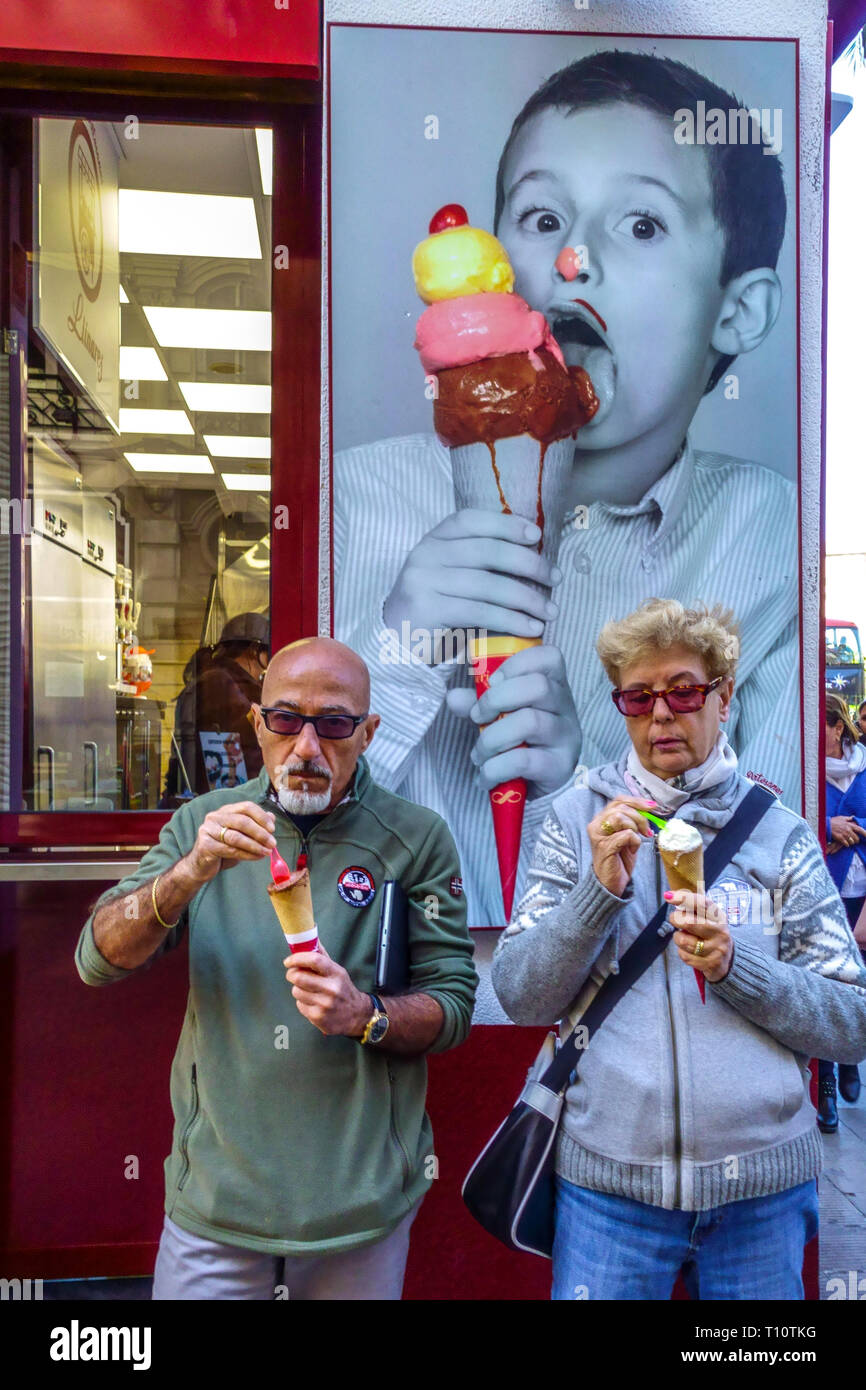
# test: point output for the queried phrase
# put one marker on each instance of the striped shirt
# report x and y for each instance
(712, 528)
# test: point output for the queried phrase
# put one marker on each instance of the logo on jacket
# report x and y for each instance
(356, 887)
(734, 897)
(455, 887)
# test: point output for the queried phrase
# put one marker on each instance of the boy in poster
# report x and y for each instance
(676, 278)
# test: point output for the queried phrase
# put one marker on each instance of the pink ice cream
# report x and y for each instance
(455, 332)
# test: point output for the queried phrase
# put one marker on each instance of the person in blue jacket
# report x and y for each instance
(846, 860)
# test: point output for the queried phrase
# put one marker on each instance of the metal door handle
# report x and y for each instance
(48, 751)
(89, 744)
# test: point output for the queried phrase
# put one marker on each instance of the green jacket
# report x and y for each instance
(285, 1140)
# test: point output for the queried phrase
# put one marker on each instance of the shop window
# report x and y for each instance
(148, 405)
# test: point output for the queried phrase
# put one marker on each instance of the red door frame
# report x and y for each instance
(295, 367)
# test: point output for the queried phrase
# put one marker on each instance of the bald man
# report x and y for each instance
(301, 1148)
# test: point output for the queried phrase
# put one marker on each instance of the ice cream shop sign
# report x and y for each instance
(77, 305)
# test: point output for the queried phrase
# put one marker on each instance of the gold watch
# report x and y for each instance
(377, 1025)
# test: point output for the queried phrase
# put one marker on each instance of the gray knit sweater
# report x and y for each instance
(679, 1104)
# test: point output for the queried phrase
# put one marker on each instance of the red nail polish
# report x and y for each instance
(669, 897)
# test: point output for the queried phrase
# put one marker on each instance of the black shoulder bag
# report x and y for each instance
(510, 1189)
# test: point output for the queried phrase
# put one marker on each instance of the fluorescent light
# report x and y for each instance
(247, 482)
(169, 463)
(246, 330)
(155, 422)
(187, 224)
(124, 297)
(265, 147)
(235, 399)
(140, 364)
(238, 446)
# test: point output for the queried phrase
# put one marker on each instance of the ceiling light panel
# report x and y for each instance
(169, 463)
(238, 446)
(247, 482)
(233, 398)
(155, 422)
(265, 147)
(188, 224)
(140, 364)
(245, 330)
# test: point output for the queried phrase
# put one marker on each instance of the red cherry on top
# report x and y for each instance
(452, 215)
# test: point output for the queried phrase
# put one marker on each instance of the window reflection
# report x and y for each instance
(147, 570)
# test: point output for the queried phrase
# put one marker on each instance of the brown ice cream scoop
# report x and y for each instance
(500, 397)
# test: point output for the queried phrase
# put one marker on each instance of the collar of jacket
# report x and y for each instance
(711, 808)
(360, 787)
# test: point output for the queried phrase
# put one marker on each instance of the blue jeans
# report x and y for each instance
(614, 1248)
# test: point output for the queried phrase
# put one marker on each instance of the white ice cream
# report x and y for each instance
(678, 837)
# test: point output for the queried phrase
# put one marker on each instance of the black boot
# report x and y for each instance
(849, 1082)
(828, 1118)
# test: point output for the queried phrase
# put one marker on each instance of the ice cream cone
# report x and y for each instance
(293, 904)
(519, 475)
(508, 800)
(685, 869)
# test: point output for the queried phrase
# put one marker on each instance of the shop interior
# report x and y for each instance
(150, 495)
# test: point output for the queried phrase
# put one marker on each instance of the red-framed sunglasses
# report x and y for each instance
(680, 699)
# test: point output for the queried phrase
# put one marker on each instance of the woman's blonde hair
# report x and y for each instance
(836, 710)
(661, 623)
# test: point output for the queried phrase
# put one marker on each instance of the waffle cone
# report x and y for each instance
(684, 868)
(293, 904)
(518, 475)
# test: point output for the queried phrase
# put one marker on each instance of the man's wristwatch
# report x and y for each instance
(377, 1025)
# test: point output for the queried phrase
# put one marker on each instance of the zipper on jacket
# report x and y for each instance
(184, 1140)
(677, 1134)
(404, 1157)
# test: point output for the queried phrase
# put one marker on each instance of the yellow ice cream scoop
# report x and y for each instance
(458, 259)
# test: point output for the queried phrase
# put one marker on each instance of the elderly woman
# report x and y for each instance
(688, 1140)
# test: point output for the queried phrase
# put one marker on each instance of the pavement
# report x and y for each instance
(842, 1196)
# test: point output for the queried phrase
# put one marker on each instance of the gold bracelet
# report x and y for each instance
(169, 926)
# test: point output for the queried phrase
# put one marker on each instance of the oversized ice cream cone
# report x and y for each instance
(684, 868)
(293, 904)
(509, 409)
(518, 475)
(508, 800)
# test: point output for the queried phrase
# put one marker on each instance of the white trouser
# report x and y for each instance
(192, 1267)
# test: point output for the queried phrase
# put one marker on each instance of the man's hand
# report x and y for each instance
(228, 835)
(616, 835)
(698, 918)
(325, 994)
(539, 736)
(469, 572)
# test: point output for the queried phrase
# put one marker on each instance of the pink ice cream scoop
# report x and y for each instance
(455, 332)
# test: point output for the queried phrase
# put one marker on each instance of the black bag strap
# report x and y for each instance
(654, 938)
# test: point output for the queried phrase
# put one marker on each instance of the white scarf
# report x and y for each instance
(842, 771)
(717, 768)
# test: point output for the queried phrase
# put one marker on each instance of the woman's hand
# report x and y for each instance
(844, 830)
(616, 835)
(698, 919)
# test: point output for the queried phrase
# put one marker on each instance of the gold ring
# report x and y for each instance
(698, 948)
(223, 830)
(607, 828)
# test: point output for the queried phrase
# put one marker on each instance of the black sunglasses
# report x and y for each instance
(286, 721)
(680, 699)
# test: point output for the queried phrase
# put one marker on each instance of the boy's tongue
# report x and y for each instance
(599, 364)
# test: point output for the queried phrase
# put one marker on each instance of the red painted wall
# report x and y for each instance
(279, 34)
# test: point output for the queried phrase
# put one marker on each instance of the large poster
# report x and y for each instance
(644, 190)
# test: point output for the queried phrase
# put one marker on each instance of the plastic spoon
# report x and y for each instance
(280, 871)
